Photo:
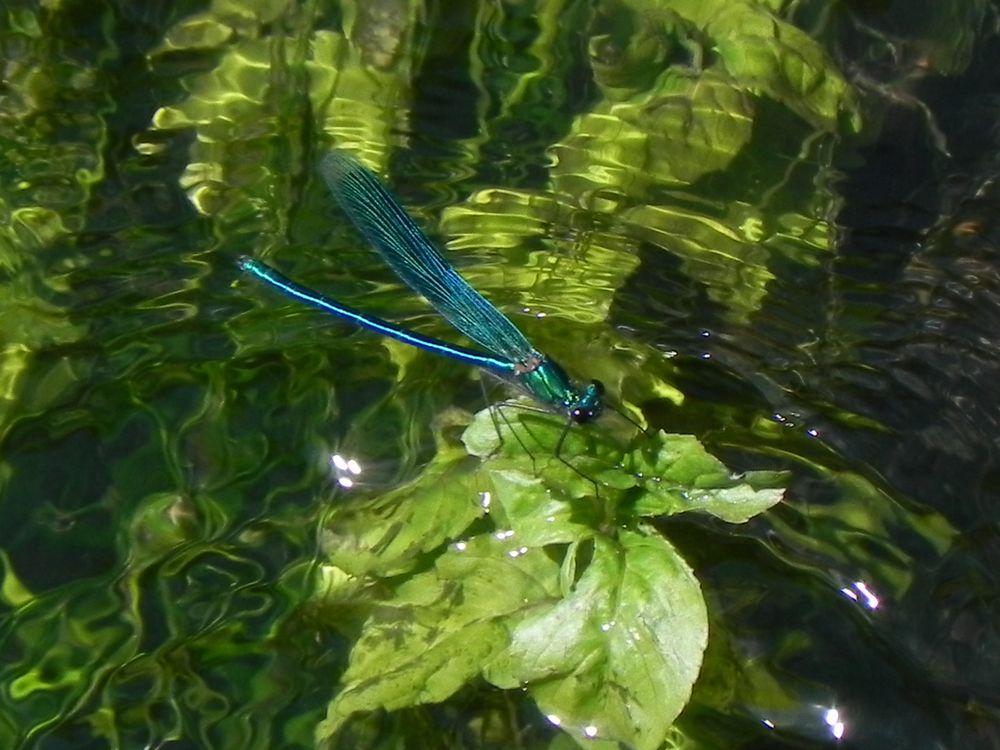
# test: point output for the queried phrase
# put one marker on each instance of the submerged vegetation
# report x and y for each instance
(517, 571)
(489, 593)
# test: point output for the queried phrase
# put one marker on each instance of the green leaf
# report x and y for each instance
(537, 515)
(616, 658)
(663, 474)
(682, 476)
(540, 586)
(688, 125)
(769, 55)
(435, 633)
(721, 252)
(244, 163)
(422, 666)
(628, 51)
(526, 443)
(785, 64)
(383, 535)
(517, 241)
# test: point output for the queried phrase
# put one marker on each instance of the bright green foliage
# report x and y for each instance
(696, 480)
(439, 627)
(355, 85)
(766, 54)
(383, 535)
(689, 125)
(45, 183)
(680, 88)
(517, 223)
(161, 438)
(615, 657)
(554, 584)
(680, 81)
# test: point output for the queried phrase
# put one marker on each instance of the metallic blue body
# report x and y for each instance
(283, 284)
(380, 218)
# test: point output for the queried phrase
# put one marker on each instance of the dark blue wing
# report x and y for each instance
(380, 218)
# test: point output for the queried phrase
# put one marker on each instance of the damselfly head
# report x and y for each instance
(590, 405)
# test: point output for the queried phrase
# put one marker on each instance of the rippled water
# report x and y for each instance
(167, 427)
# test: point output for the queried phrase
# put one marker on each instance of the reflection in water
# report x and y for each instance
(861, 593)
(820, 722)
(347, 470)
(832, 718)
(832, 311)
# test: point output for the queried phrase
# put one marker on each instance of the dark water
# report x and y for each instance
(166, 428)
